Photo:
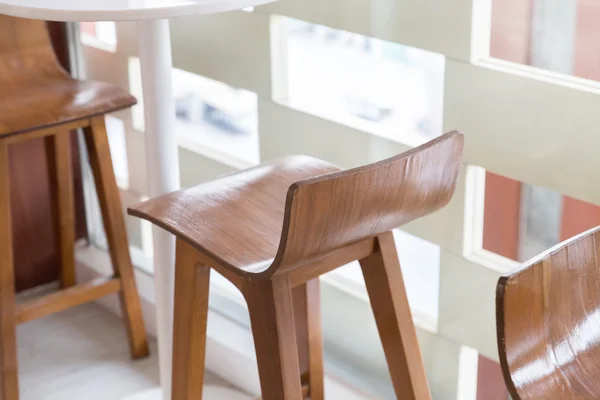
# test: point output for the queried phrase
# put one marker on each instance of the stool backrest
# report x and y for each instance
(334, 210)
(548, 322)
(26, 52)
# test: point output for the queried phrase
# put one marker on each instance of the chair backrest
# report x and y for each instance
(331, 211)
(548, 322)
(26, 52)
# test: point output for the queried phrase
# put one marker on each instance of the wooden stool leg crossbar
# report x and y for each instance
(71, 294)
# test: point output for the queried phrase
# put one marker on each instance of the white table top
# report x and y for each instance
(118, 10)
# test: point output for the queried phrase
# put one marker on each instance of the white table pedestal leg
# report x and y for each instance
(163, 173)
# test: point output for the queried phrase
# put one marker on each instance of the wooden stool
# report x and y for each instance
(548, 322)
(38, 99)
(273, 230)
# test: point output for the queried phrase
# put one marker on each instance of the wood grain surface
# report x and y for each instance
(548, 321)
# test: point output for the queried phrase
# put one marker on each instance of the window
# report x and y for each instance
(379, 86)
(102, 35)
(523, 220)
(212, 118)
(557, 36)
(217, 116)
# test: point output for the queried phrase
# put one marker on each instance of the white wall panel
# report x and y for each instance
(531, 128)
(468, 303)
(127, 38)
(196, 168)
(284, 130)
(442, 26)
(136, 151)
(232, 47)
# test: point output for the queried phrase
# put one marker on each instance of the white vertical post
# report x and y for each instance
(163, 173)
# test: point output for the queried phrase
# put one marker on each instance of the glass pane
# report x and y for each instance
(217, 116)
(523, 220)
(561, 36)
(213, 118)
(101, 34)
(379, 86)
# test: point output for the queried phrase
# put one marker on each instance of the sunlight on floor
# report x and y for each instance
(210, 393)
(82, 353)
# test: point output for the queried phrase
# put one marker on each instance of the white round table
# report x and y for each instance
(161, 146)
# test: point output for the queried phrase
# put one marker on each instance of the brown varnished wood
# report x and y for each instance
(331, 261)
(272, 230)
(44, 132)
(36, 91)
(96, 139)
(307, 318)
(304, 393)
(548, 321)
(35, 247)
(192, 282)
(328, 212)
(64, 299)
(9, 384)
(244, 234)
(384, 283)
(59, 36)
(272, 318)
(61, 189)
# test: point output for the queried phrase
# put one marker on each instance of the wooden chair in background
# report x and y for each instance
(39, 99)
(272, 230)
(548, 321)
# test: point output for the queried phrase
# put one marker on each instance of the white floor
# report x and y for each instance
(82, 353)
(211, 392)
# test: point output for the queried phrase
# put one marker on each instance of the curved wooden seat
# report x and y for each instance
(273, 230)
(236, 219)
(294, 210)
(548, 321)
(57, 102)
(36, 92)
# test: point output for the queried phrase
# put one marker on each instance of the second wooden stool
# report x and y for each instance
(39, 100)
(273, 230)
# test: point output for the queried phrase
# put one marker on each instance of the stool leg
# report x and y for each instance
(58, 153)
(96, 141)
(9, 383)
(272, 318)
(383, 279)
(192, 282)
(307, 318)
